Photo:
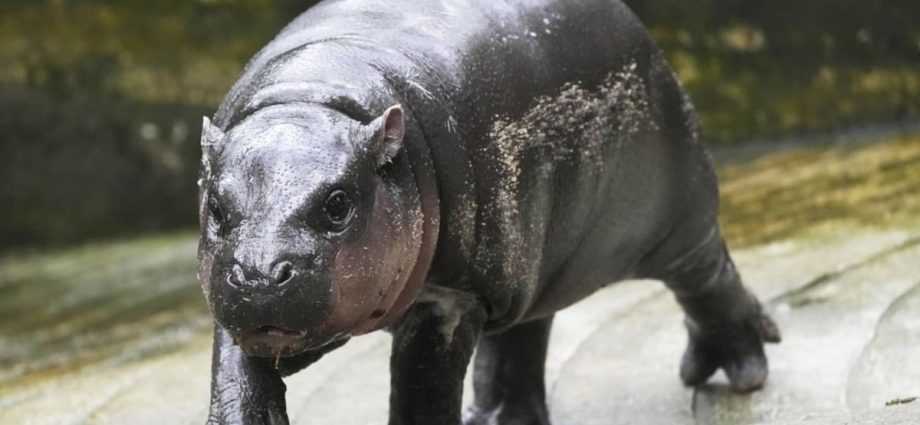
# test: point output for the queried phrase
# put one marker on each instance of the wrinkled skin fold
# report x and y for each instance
(455, 172)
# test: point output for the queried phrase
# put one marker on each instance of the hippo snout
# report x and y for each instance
(282, 306)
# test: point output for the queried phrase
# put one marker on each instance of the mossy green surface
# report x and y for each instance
(787, 193)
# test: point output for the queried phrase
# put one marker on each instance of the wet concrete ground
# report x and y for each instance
(827, 235)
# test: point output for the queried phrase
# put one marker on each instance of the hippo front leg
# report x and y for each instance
(248, 390)
(244, 390)
(432, 346)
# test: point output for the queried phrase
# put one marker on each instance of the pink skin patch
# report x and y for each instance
(371, 273)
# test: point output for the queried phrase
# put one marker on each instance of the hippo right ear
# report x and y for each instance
(211, 138)
(389, 130)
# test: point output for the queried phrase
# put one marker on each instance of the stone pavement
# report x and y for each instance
(845, 293)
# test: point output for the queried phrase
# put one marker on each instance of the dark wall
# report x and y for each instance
(75, 166)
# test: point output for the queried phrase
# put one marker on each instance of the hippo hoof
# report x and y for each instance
(737, 350)
(524, 413)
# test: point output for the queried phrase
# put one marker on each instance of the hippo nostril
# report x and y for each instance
(282, 273)
(237, 277)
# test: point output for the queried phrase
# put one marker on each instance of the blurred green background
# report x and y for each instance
(101, 100)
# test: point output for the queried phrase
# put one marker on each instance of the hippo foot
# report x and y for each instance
(262, 412)
(261, 417)
(738, 350)
(520, 413)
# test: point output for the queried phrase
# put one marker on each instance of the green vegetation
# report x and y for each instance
(765, 69)
(152, 51)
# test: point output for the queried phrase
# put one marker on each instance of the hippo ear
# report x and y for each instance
(210, 134)
(211, 137)
(389, 130)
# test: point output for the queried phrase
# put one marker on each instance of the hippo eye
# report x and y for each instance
(217, 215)
(339, 208)
(214, 210)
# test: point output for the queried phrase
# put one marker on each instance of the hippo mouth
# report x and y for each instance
(272, 341)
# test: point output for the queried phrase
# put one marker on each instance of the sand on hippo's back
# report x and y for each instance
(580, 124)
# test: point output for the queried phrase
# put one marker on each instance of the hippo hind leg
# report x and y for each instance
(725, 322)
(508, 377)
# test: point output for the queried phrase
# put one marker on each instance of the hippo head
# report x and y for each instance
(310, 226)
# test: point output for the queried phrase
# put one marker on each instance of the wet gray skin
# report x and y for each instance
(455, 172)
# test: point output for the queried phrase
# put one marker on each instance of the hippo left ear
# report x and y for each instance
(389, 130)
(211, 137)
